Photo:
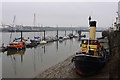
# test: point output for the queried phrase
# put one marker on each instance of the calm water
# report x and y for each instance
(32, 61)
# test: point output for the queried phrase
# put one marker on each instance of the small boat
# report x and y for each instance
(61, 39)
(76, 35)
(16, 45)
(65, 37)
(29, 43)
(43, 42)
(18, 39)
(70, 35)
(37, 39)
(3, 48)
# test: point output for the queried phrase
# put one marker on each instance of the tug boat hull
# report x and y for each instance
(88, 65)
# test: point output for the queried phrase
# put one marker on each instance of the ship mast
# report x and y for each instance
(34, 24)
(88, 34)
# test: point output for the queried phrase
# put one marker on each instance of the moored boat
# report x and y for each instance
(70, 35)
(61, 39)
(29, 43)
(87, 64)
(43, 42)
(3, 48)
(76, 35)
(65, 37)
(17, 45)
(37, 39)
(92, 56)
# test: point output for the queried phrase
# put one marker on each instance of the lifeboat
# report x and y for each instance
(3, 48)
(16, 45)
(61, 39)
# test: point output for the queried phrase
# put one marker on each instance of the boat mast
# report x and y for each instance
(12, 27)
(14, 21)
(14, 24)
(34, 24)
(88, 34)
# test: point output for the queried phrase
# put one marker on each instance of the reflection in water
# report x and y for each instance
(65, 42)
(34, 62)
(21, 52)
(14, 64)
(44, 49)
(57, 45)
(72, 40)
(41, 57)
(79, 38)
(13, 54)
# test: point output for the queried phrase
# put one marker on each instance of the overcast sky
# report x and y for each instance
(60, 13)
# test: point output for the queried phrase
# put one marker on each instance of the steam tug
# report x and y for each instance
(92, 55)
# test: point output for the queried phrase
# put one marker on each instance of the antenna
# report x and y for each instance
(12, 26)
(14, 20)
(89, 31)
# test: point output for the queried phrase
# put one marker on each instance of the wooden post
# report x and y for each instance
(65, 32)
(44, 34)
(21, 35)
(57, 33)
(72, 31)
(44, 49)
(21, 58)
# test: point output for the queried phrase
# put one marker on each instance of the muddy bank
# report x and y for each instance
(66, 69)
(63, 69)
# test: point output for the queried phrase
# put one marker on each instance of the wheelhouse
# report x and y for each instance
(91, 47)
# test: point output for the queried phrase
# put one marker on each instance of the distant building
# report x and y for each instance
(117, 23)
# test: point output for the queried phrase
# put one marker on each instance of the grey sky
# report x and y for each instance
(60, 13)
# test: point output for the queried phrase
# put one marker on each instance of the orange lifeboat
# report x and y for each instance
(16, 45)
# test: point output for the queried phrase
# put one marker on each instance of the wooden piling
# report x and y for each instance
(21, 35)
(57, 33)
(44, 34)
(65, 32)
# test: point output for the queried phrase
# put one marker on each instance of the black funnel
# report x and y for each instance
(92, 23)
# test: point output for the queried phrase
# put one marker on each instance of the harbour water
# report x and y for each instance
(32, 61)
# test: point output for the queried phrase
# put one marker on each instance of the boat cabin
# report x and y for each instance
(91, 47)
